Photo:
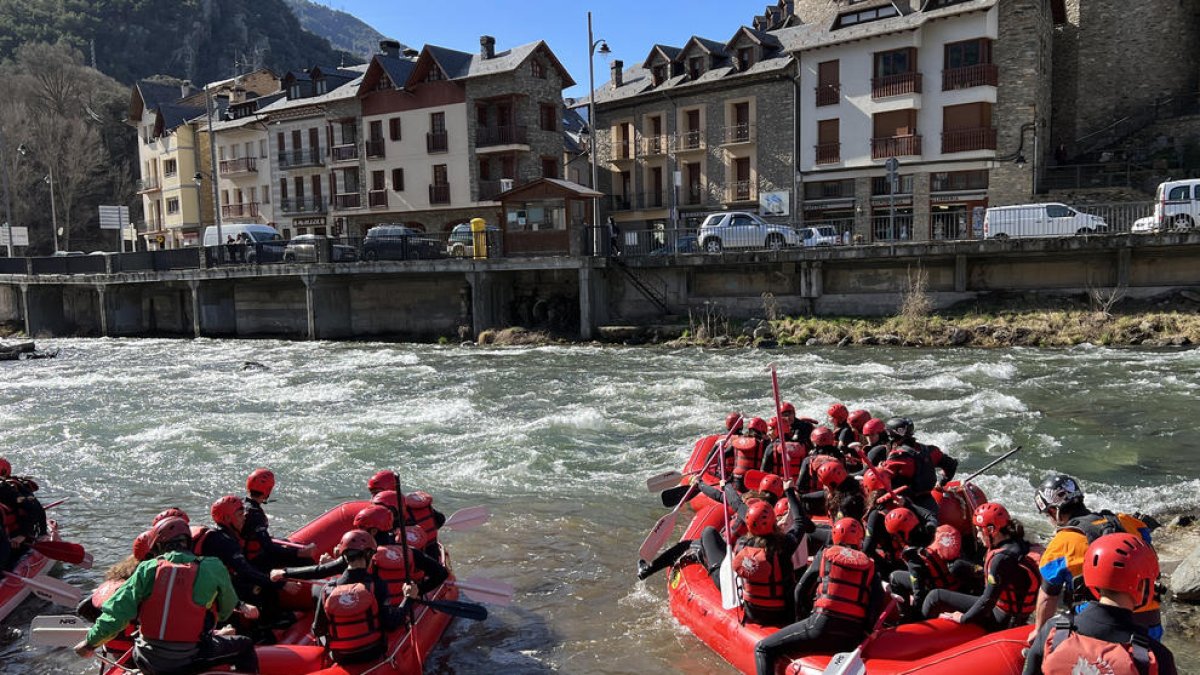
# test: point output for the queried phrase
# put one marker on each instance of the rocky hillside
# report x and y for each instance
(344, 31)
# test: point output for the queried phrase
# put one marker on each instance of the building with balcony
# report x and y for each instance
(244, 175)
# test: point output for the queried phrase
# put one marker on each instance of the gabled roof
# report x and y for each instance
(171, 116)
(710, 46)
(456, 65)
(555, 186)
(149, 95)
(397, 69)
(759, 37)
(813, 36)
(667, 52)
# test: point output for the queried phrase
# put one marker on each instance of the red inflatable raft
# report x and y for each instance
(297, 651)
(14, 591)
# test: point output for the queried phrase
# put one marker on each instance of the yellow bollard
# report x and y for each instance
(479, 242)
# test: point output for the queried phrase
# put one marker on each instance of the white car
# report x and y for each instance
(1039, 220)
(739, 229)
(1147, 225)
(822, 235)
(1177, 204)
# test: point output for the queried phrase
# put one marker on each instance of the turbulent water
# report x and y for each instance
(558, 442)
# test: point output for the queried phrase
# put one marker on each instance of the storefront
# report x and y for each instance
(957, 202)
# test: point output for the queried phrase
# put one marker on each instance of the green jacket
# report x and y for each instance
(212, 586)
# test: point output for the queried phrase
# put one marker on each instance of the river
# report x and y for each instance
(558, 442)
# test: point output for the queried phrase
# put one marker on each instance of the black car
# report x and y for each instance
(398, 242)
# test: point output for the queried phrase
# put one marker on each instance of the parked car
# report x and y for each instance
(738, 229)
(255, 232)
(259, 243)
(821, 235)
(1147, 225)
(307, 248)
(398, 242)
(1177, 204)
(1039, 220)
(684, 243)
(461, 243)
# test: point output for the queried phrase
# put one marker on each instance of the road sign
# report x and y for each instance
(20, 236)
(892, 165)
(114, 217)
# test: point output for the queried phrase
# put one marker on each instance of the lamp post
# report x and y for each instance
(214, 174)
(597, 238)
(24, 152)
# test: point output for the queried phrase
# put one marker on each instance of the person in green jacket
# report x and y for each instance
(177, 598)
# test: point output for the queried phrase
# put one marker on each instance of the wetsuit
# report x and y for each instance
(1104, 622)
(23, 516)
(926, 572)
(435, 573)
(260, 549)
(252, 584)
(1008, 598)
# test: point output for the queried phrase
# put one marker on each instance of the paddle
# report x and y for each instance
(665, 526)
(487, 590)
(781, 426)
(994, 462)
(663, 481)
(467, 519)
(851, 663)
(62, 630)
(53, 590)
(56, 503)
(462, 610)
(65, 551)
(725, 578)
(677, 495)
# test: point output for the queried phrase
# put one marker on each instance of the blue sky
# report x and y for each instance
(630, 27)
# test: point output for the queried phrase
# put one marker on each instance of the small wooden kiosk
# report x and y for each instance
(548, 216)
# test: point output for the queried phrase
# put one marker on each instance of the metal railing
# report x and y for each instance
(895, 146)
(437, 141)
(828, 94)
(654, 199)
(656, 145)
(689, 140)
(377, 198)
(376, 148)
(965, 140)
(345, 153)
(895, 85)
(439, 194)
(978, 75)
(352, 200)
(740, 191)
(620, 202)
(240, 165)
(828, 153)
(295, 159)
(303, 205)
(249, 209)
(739, 133)
(509, 134)
(1087, 176)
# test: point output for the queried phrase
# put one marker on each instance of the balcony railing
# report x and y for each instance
(303, 205)
(294, 159)
(829, 153)
(740, 191)
(247, 210)
(979, 75)
(490, 188)
(345, 153)
(376, 147)
(377, 198)
(829, 94)
(654, 199)
(620, 202)
(692, 196)
(509, 134)
(242, 165)
(739, 133)
(149, 184)
(656, 145)
(965, 140)
(623, 149)
(351, 200)
(439, 194)
(691, 140)
(437, 141)
(895, 146)
(896, 85)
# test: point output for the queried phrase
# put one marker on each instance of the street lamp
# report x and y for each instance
(24, 152)
(7, 197)
(603, 48)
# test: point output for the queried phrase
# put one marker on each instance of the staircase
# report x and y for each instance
(642, 285)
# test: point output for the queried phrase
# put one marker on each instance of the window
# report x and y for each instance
(221, 153)
(538, 69)
(253, 195)
(548, 119)
(316, 189)
(549, 167)
(294, 92)
(434, 75)
(224, 196)
(262, 148)
(440, 175)
(376, 130)
(895, 123)
(283, 189)
(659, 73)
(896, 62)
(173, 205)
(745, 58)
(398, 180)
(314, 142)
(378, 181)
(828, 141)
(280, 143)
(296, 144)
(394, 128)
(968, 53)
(695, 67)
(864, 16)
(266, 194)
(1058, 211)
(485, 169)
(249, 149)
(1178, 194)
(299, 182)
(950, 181)
(828, 82)
(437, 122)
(170, 167)
(384, 84)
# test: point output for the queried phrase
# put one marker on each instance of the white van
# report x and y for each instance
(1177, 204)
(257, 232)
(1039, 220)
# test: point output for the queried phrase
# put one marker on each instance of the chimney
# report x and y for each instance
(389, 48)
(487, 47)
(618, 68)
(185, 89)
(411, 53)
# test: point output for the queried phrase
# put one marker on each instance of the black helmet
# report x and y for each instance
(899, 427)
(1057, 491)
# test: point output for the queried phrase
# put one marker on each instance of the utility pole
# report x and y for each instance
(7, 196)
(53, 210)
(213, 176)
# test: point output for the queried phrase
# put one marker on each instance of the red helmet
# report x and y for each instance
(876, 479)
(838, 412)
(773, 423)
(781, 508)
(382, 480)
(821, 436)
(387, 498)
(831, 474)
(374, 516)
(355, 540)
(873, 426)
(786, 408)
(848, 532)
(5, 468)
(261, 481)
(947, 543)
(1124, 563)
(858, 418)
(224, 509)
(733, 421)
(771, 484)
(901, 521)
(141, 545)
(758, 424)
(168, 530)
(173, 512)
(991, 516)
(760, 518)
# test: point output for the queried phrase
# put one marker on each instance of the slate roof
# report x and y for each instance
(344, 91)
(816, 35)
(171, 116)
(460, 65)
(397, 69)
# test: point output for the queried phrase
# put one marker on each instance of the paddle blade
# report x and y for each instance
(658, 536)
(55, 503)
(672, 497)
(65, 551)
(662, 481)
(729, 590)
(846, 663)
(52, 590)
(64, 630)
(800, 557)
(487, 590)
(462, 610)
(468, 518)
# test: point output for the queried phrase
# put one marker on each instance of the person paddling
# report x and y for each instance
(259, 546)
(750, 449)
(24, 518)
(763, 559)
(353, 614)
(89, 608)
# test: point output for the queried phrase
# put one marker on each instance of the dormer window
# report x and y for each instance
(322, 87)
(434, 75)
(659, 73)
(745, 58)
(864, 16)
(695, 67)
(384, 84)
(294, 92)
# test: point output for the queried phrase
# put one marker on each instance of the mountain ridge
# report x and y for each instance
(343, 30)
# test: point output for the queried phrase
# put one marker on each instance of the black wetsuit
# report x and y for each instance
(1104, 622)
(435, 573)
(257, 531)
(1004, 573)
(253, 585)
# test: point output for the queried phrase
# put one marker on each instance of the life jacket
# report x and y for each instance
(1096, 525)
(171, 614)
(1068, 651)
(1016, 600)
(749, 454)
(415, 535)
(814, 462)
(251, 545)
(123, 642)
(763, 583)
(904, 463)
(419, 509)
(793, 455)
(199, 534)
(353, 617)
(11, 524)
(844, 589)
(937, 571)
(394, 567)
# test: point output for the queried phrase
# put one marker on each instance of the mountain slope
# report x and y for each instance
(344, 31)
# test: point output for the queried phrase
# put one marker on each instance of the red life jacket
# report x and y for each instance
(1068, 651)
(394, 565)
(794, 454)
(11, 525)
(123, 642)
(763, 585)
(749, 454)
(416, 537)
(1018, 600)
(170, 614)
(419, 507)
(353, 617)
(844, 588)
(937, 571)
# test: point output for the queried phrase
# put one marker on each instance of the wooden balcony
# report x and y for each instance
(376, 148)
(377, 199)
(247, 210)
(979, 75)
(235, 166)
(509, 134)
(345, 153)
(895, 146)
(352, 200)
(437, 141)
(828, 153)
(439, 194)
(829, 94)
(896, 85)
(965, 140)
